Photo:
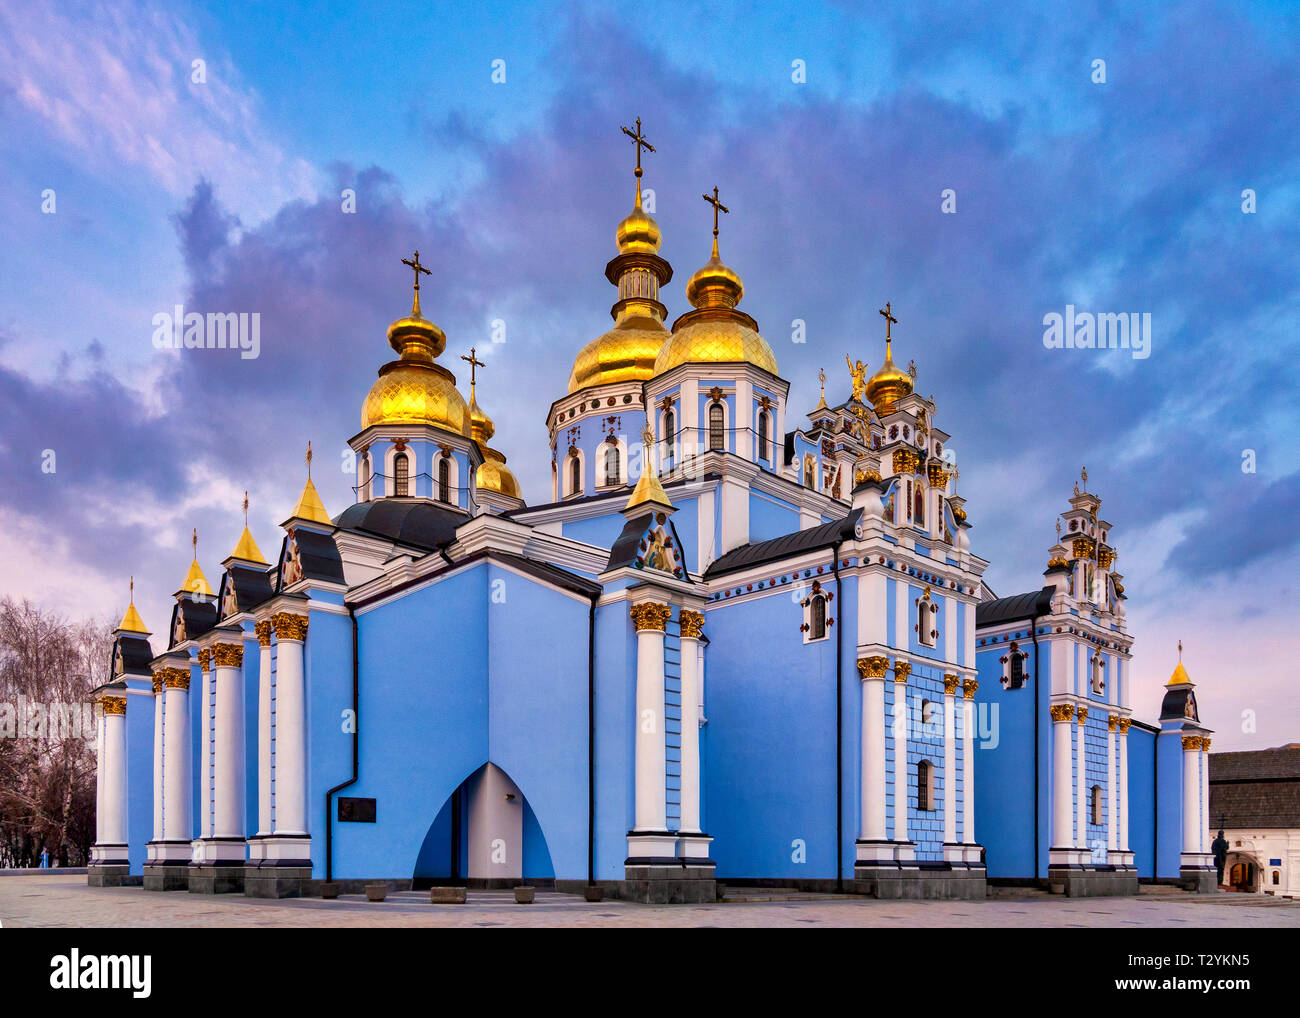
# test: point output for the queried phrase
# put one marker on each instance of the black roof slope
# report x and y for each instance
(1017, 606)
(777, 548)
(628, 543)
(137, 655)
(1255, 789)
(415, 523)
(252, 586)
(319, 556)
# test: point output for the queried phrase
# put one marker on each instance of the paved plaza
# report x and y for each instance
(66, 901)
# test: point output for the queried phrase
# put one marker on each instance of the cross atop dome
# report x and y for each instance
(417, 268)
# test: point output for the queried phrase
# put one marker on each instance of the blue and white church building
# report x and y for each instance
(737, 642)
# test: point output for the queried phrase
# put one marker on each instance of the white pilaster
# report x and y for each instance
(901, 671)
(290, 725)
(871, 822)
(178, 822)
(263, 630)
(1081, 781)
(229, 750)
(1191, 794)
(691, 623)
(1123, 784)
(949, 760)
(1112, 815)
(1206, 819)
(650, 838)
(1062, 801)
(969, 688)
(110, 822)
(157, 833)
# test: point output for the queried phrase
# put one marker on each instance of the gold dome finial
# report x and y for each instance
(417, 268)
(131, 621)
(414, 337)
(246, 548)
(1180, 676)
(715, 285)
(310, 507)
(481, 427)
(638, 232)
(890, 384)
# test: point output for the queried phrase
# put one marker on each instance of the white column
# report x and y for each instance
(691, 624)
(1081, 780)
(1123, 783)
(969, 688)
(949, 760)
(291, 725)
(99, 771)
(229, 750)
(157, 757)
(110, 826)
(901, 671)
(1112, 814)
(872, 812)
(1062, 831)
(1191, 794)
(205, 803)
(263, 630)
(1206, 819)
(178, 824)
(651, 812)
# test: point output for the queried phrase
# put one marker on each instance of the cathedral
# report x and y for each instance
(738, 642)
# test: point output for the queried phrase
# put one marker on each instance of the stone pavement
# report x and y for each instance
(66, 901)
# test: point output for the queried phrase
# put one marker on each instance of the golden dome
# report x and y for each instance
(712, 340)
(494, 475)
(481, 427)
(714, 284)
(888, 385)
(638, 233)
(411, 392)
(626, 353)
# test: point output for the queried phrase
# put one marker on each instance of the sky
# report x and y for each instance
(133, 180)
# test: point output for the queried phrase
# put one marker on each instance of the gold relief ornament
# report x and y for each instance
(651, 615)
(175, 678)
(157, 682)
(1062, 711)
(902, 669)
(1123, 725)
(1082, 715)
(969, 687)
(228, 655)
(873, 667)
(692, 624)
(950, 684)
(1112, 722)
(289, 626)
(1191, 742)
(1205, 744)
(936, 474)
(114, 704)
(205, 658)
(263, 631)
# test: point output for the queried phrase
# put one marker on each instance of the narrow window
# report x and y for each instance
(444, 480)
(611, 464)
(1096, 805)
(762, 436)
(401, 474)
(575, 474)
(367, 477)
(920, 504)
(818, 631)
(715, 427)
(924, 794)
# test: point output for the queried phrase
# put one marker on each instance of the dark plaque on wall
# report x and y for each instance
(357, 811)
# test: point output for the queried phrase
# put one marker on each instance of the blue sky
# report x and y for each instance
(1119, 197)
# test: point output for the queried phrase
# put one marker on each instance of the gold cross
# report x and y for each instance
(890, 320)
(417, 268)
(474, 362)
(717, 207)
(640, 141)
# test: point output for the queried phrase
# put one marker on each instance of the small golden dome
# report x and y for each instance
(481, 427)
(412, 392)
(638, 233)
(715, 284)
(494, 475)
(626, 353)
(712, 340)
(888, 385)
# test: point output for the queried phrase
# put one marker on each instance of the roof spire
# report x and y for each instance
(309, 505)
(717, 207)
(195, 583)
(639, 140)
(648, 488)
(246, 548)
(131, 621)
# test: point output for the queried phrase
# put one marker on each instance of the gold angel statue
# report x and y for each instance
(858, 372)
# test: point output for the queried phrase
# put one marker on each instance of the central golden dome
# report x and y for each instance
(409, 392)
(626, 353)
(888, 385)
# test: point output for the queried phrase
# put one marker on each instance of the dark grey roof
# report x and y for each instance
(1179, 703)
(824, 536)
(1255, 789)
(1017, 606)
(318, 554)
(136, 654)
(552, 574)
(408, 521)
(252, 586)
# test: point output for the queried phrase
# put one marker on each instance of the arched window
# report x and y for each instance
(611, 463)
(909, 500)
(401, 474)
(920, 504)
(927, 632)
(1277, 876)
(575, 474)
(444, 479)
(809, 471)
(927, 712)
(763, 429)
(818, 623)
(670, 437)
(367, 477)
(716, 439)
(925, 785)
(1096, 806)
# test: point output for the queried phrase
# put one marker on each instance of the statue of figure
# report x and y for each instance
(1220, 850)
(658, 557)
(859, 373)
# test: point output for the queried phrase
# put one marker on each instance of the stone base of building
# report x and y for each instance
(110, 875)
(217, 878)
(1083, 881)
(666, 883)
(1200, 879)
(166, 876)
(268, 881)
(947, 881)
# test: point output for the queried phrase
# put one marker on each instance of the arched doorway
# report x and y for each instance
(1241, 872)
(485, 835)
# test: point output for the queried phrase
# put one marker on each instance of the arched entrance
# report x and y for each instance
(485, 835)
(1241, 872)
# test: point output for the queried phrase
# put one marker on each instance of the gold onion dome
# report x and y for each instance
(494, 475)
(888, 385)
(715, 332)
(414, 389)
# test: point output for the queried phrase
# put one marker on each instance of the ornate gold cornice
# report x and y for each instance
(902, 669)
(873, 667)
(906, 461)
(1062, 711)
(692, 623)
(157, 682)
(228, 655)
(1082, 714)
(651, 615)
(968, 689)
(1123, 725)
(205, 658)
(113, 704)
(174, 678)
(263, 631)
(1112, 721)
(950, 684)
(289, 626)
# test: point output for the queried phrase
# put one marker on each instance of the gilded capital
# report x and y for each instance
(175, 678)
(1123, 725)
(692, 624)
(968, 689)
(1205, 744)
(651, 615)
(1062, 711)
(263, 631)
(1191, 742)
(113, 704)
(1112, 722)
(902, 669)
(205, 658)
(228, 655)
(950, 684)
(289, 626)
(873, 667)
(1082, 715)
(157, 682)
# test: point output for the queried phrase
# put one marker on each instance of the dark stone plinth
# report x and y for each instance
(665, 885)
(944, 882)
(169, 876)
(277, 881)
(1092, 881)
(1201, 880)
(110, 875)
(217, 879)
(447, 895)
